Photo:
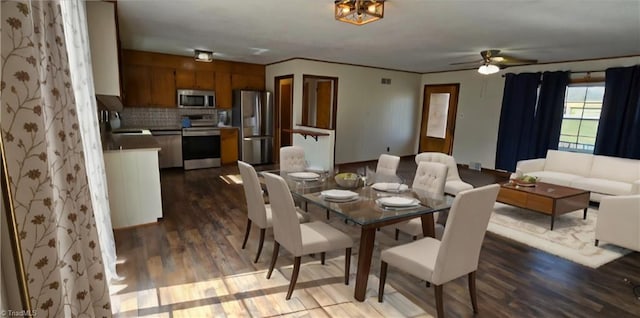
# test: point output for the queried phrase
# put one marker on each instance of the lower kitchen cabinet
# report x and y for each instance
(133, 180)
(228, 145)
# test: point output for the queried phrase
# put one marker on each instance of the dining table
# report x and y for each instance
(366, 211)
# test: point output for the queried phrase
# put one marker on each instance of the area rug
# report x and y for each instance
(572, 237)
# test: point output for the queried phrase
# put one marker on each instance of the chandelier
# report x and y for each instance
(359, 12)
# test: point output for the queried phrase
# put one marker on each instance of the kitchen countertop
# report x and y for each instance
(126, 142)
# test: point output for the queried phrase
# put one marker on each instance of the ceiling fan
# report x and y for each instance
(492, 61)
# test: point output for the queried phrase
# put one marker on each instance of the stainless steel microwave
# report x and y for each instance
(188, 98)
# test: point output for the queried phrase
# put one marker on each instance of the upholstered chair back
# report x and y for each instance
(292, 159)
(286, 226)
(387, 165)
(462, 240)
(430, 177)
(439, 157)
(253, 194)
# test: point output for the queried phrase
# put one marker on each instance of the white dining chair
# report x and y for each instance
(430, 178)
(456, 255)
(258, 212)
(387, 165)
(301, 239)
(454, 184)
(292, 159)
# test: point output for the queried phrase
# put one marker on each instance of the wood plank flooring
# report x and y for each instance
(191, 264)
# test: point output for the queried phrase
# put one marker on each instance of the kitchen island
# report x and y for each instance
(133, 178)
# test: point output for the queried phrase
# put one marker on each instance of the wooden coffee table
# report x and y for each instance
(545, 198)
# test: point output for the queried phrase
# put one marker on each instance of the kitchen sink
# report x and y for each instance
(131, 132)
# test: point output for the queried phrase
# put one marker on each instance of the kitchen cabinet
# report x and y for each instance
(244, 81)
(137, 86)
(133, 180)
(228, 145)
(147, 86)
(223, 90)
(163, 87)
(203, 80)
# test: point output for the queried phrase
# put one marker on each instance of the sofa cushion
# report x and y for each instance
(568, 162)
(559, 178)
(618, 169)
(602, 186)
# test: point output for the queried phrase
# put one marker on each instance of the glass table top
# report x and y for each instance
(366, 209)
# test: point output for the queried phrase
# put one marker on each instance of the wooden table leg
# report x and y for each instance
(367, 240)
(584, 217)
(553, 218)
(428, 225)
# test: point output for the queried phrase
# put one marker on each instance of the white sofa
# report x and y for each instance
(602, 175)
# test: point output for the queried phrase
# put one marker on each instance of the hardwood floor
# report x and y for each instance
(199, 240)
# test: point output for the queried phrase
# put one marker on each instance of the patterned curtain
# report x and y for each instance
(46, 167)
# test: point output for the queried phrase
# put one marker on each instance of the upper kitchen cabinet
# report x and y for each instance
(103, 42)
(146, 86)
(243, 81)
(165, 73)
(137, 85)
(223, 90)
(203, 80)
(163, 87)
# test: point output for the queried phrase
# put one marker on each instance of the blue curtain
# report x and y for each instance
(516, 119)
(548, 118)
(619, 127)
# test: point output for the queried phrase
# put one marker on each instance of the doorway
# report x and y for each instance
(284, 113)
(439, 108)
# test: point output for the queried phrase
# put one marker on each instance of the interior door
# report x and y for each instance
(323, 104)
(439, 110)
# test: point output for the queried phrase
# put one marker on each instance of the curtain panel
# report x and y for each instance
(516, 119)
(549, 112)
(619, 127)
(46, 167)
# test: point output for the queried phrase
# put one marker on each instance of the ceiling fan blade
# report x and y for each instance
(468, 62)
(488, 54)
(514, 60)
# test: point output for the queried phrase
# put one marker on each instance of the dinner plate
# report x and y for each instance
(398, 202)
(390, 187)
(349, 199)
(304, 175)
(338, 194)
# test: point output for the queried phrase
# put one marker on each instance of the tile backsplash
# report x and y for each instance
(141, 117)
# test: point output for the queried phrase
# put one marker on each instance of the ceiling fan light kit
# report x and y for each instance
(359, 12)
(488, 69)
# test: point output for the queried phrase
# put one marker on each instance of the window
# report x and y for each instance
(582, 106)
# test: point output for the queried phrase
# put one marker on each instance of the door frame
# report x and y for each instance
(451, 114)
(278, 124)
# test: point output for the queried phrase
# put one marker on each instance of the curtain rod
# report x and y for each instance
(579, 72)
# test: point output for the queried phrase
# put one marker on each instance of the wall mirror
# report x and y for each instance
(319, 101)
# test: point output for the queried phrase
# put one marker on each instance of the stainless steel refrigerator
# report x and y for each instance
(253, 114)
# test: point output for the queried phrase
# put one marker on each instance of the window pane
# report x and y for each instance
(595, 94)
(582, 108)
(576, 93)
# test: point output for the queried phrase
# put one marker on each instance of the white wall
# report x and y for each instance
(370, 116)
(480, 101)
(104, 48)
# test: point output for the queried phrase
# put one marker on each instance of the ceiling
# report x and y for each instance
(415, 35)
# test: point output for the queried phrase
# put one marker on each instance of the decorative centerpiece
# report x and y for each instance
(348, 180)
(525, 181)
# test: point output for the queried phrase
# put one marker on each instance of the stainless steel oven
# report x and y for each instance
(200, 147)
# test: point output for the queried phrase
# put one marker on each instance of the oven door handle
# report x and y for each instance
(199, 133)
